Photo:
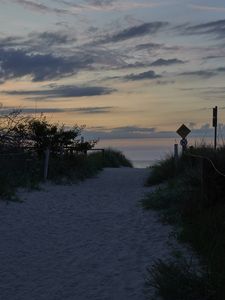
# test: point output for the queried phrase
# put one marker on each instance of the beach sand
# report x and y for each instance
(89, 241)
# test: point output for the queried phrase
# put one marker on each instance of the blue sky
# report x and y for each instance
(126, 69)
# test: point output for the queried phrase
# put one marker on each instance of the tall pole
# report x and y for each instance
(215, 112)
(215, 138)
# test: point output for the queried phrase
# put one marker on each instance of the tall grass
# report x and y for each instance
(177, 281)
(194, 200)
(18, 170)
(23, 170)
(114, 159)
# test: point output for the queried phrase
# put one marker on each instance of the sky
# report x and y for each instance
(126, 69)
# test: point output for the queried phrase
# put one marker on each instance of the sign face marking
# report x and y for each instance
(183, 131)
(183, 142)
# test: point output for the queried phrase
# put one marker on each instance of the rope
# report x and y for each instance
(209, 160)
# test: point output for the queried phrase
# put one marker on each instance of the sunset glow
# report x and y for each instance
(124, 68)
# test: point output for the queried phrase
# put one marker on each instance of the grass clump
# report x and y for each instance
(177, 281)
(161, 171)
(115, 159)
(73, 168)
(110, 158)
(18, 171)
(193, 199)
(167, 200)
(25, 170)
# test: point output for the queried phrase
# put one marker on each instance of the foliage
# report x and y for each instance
(73, 168)
(19, 131)
(18, 170)
(194, 200)
(114, 159)
(111, 158)
(69, 161)
(24, 170)
(13, 130)
(161, 171)
(177, 280)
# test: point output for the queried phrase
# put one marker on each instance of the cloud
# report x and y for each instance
(148, 75)
(214, 56)
(93, 110)
(52, 38)
(38, 7)
(204, 73)
(40, 42)
(148, 46)
(209, 93)
(216, 28)
(208, 8)
(142, 76)
(126, 132)
(133, 129)
(135, 132)
(41, 67)
(11, 41)
(107, 5)
(63, 91)
(57, 47)
(166, 62)
(133, 32)
(199, 73)
(80, 110)
(164, 82)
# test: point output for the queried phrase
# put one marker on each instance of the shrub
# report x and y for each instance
(177, 281)
(161, 171)
(194, 200)
(114, 159)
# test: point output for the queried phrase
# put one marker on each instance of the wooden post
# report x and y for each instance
(202, 180)
(61, 152)
(176, 155)
(47, 153)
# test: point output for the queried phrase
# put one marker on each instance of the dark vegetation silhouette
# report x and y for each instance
(23, 142)
(192, 197)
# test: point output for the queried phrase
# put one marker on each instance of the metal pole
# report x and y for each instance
(175, 155)
(215, 110)
(202, 180)
(215, 138)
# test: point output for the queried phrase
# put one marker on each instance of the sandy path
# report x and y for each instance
(83, 242)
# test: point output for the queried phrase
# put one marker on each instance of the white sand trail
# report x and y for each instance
(89, 241)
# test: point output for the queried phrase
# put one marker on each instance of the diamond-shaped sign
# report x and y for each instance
(183, 131)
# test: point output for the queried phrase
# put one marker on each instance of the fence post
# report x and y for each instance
(202, 180)
(176, 156)
(46, 163)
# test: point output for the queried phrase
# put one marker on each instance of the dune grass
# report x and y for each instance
(177, 281)
(193, 198)
(114, 159)
(26, 171)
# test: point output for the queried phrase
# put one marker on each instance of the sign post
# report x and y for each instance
(183, 132)
(176, 155)
(215, 112)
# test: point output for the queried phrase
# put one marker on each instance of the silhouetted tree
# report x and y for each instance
(18, 131)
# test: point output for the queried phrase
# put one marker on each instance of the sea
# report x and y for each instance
(145, 153)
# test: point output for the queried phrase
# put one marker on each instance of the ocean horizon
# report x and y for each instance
(142, 164)
(146, 152)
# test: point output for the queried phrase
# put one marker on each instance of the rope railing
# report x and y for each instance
(209, 160)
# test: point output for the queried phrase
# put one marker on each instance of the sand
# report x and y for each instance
(90, 241)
